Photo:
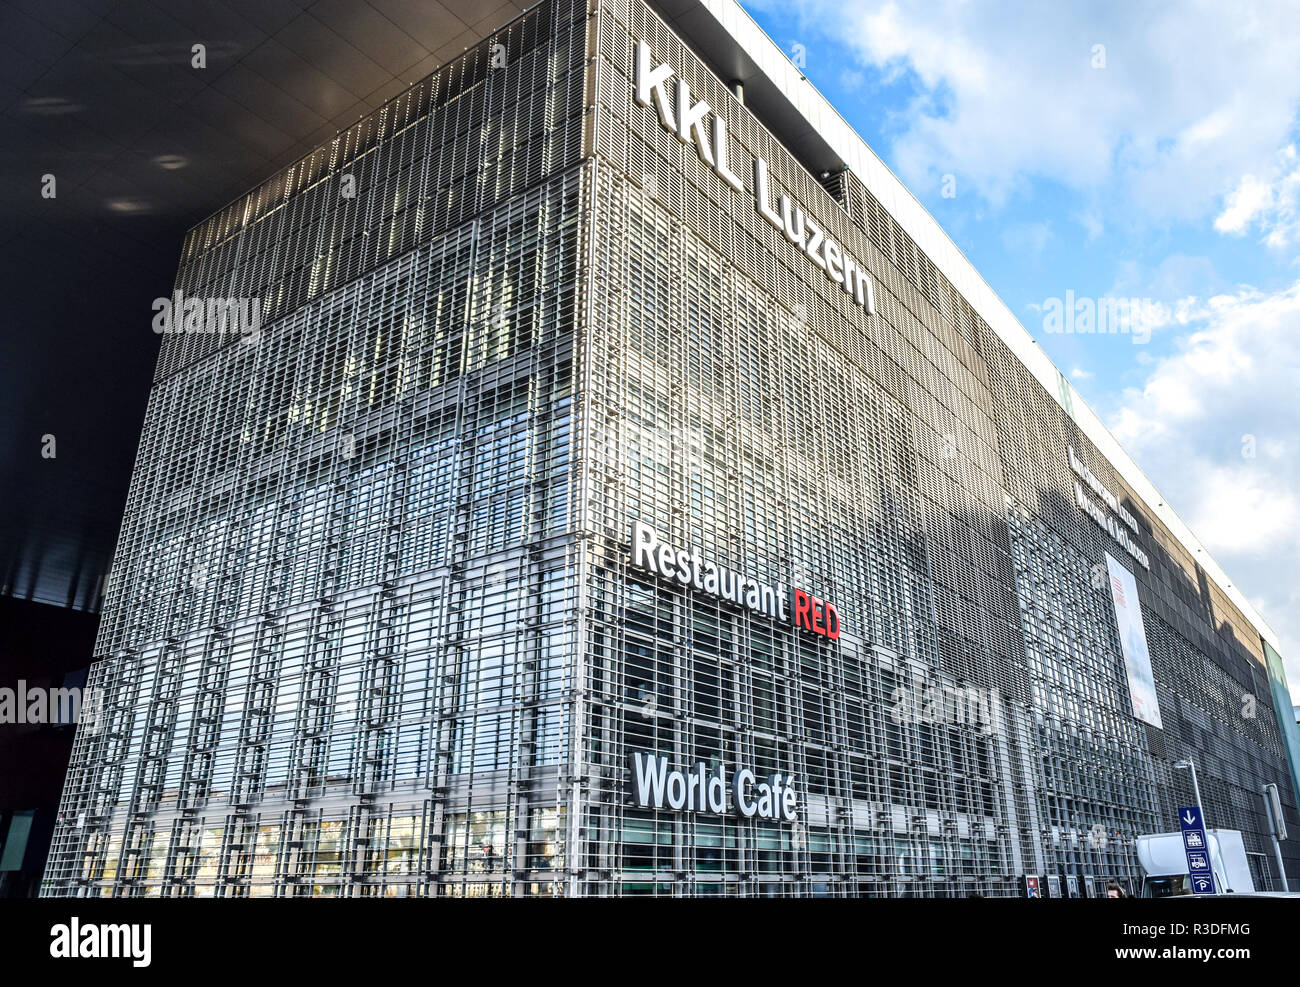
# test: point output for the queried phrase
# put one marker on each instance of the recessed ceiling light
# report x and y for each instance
(128, 206)
(50, 106)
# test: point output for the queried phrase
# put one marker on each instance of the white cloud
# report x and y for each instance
(1248, 200)
(1270, 204)
(1192, 96)
(1244, 511)
(1216, 425)
(1078, 373)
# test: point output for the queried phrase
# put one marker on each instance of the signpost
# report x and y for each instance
(1276, 827)
(1196, 846)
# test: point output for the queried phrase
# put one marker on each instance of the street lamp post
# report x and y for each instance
(1200, 811)
(1196, 790)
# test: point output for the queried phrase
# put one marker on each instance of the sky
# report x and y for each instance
(1141, 155)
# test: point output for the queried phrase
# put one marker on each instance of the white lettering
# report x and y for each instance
(688, 123)
(650, 85)
(722, 150)
(650, 776)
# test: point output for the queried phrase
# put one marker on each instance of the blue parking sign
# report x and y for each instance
(1196, 846)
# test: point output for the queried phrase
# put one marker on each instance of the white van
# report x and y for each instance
(1165, 864)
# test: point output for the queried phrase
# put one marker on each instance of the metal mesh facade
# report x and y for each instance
(335, 650)
(373, 627)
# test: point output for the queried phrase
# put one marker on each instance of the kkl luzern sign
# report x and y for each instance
(695, 123)
(805, 611)
(653, 786)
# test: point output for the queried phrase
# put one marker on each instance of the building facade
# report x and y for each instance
(597, 442)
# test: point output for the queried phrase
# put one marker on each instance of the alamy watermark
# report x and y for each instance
(944, 705)
(1108, 315)
(233, 316)
(41, 706)
(79, 940)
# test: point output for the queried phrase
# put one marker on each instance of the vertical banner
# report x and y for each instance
(1133, 641)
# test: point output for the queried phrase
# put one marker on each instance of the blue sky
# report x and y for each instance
(1116, 150)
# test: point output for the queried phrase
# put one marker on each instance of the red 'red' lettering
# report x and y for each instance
(832, 622)
(814, 614)
(817, 627)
